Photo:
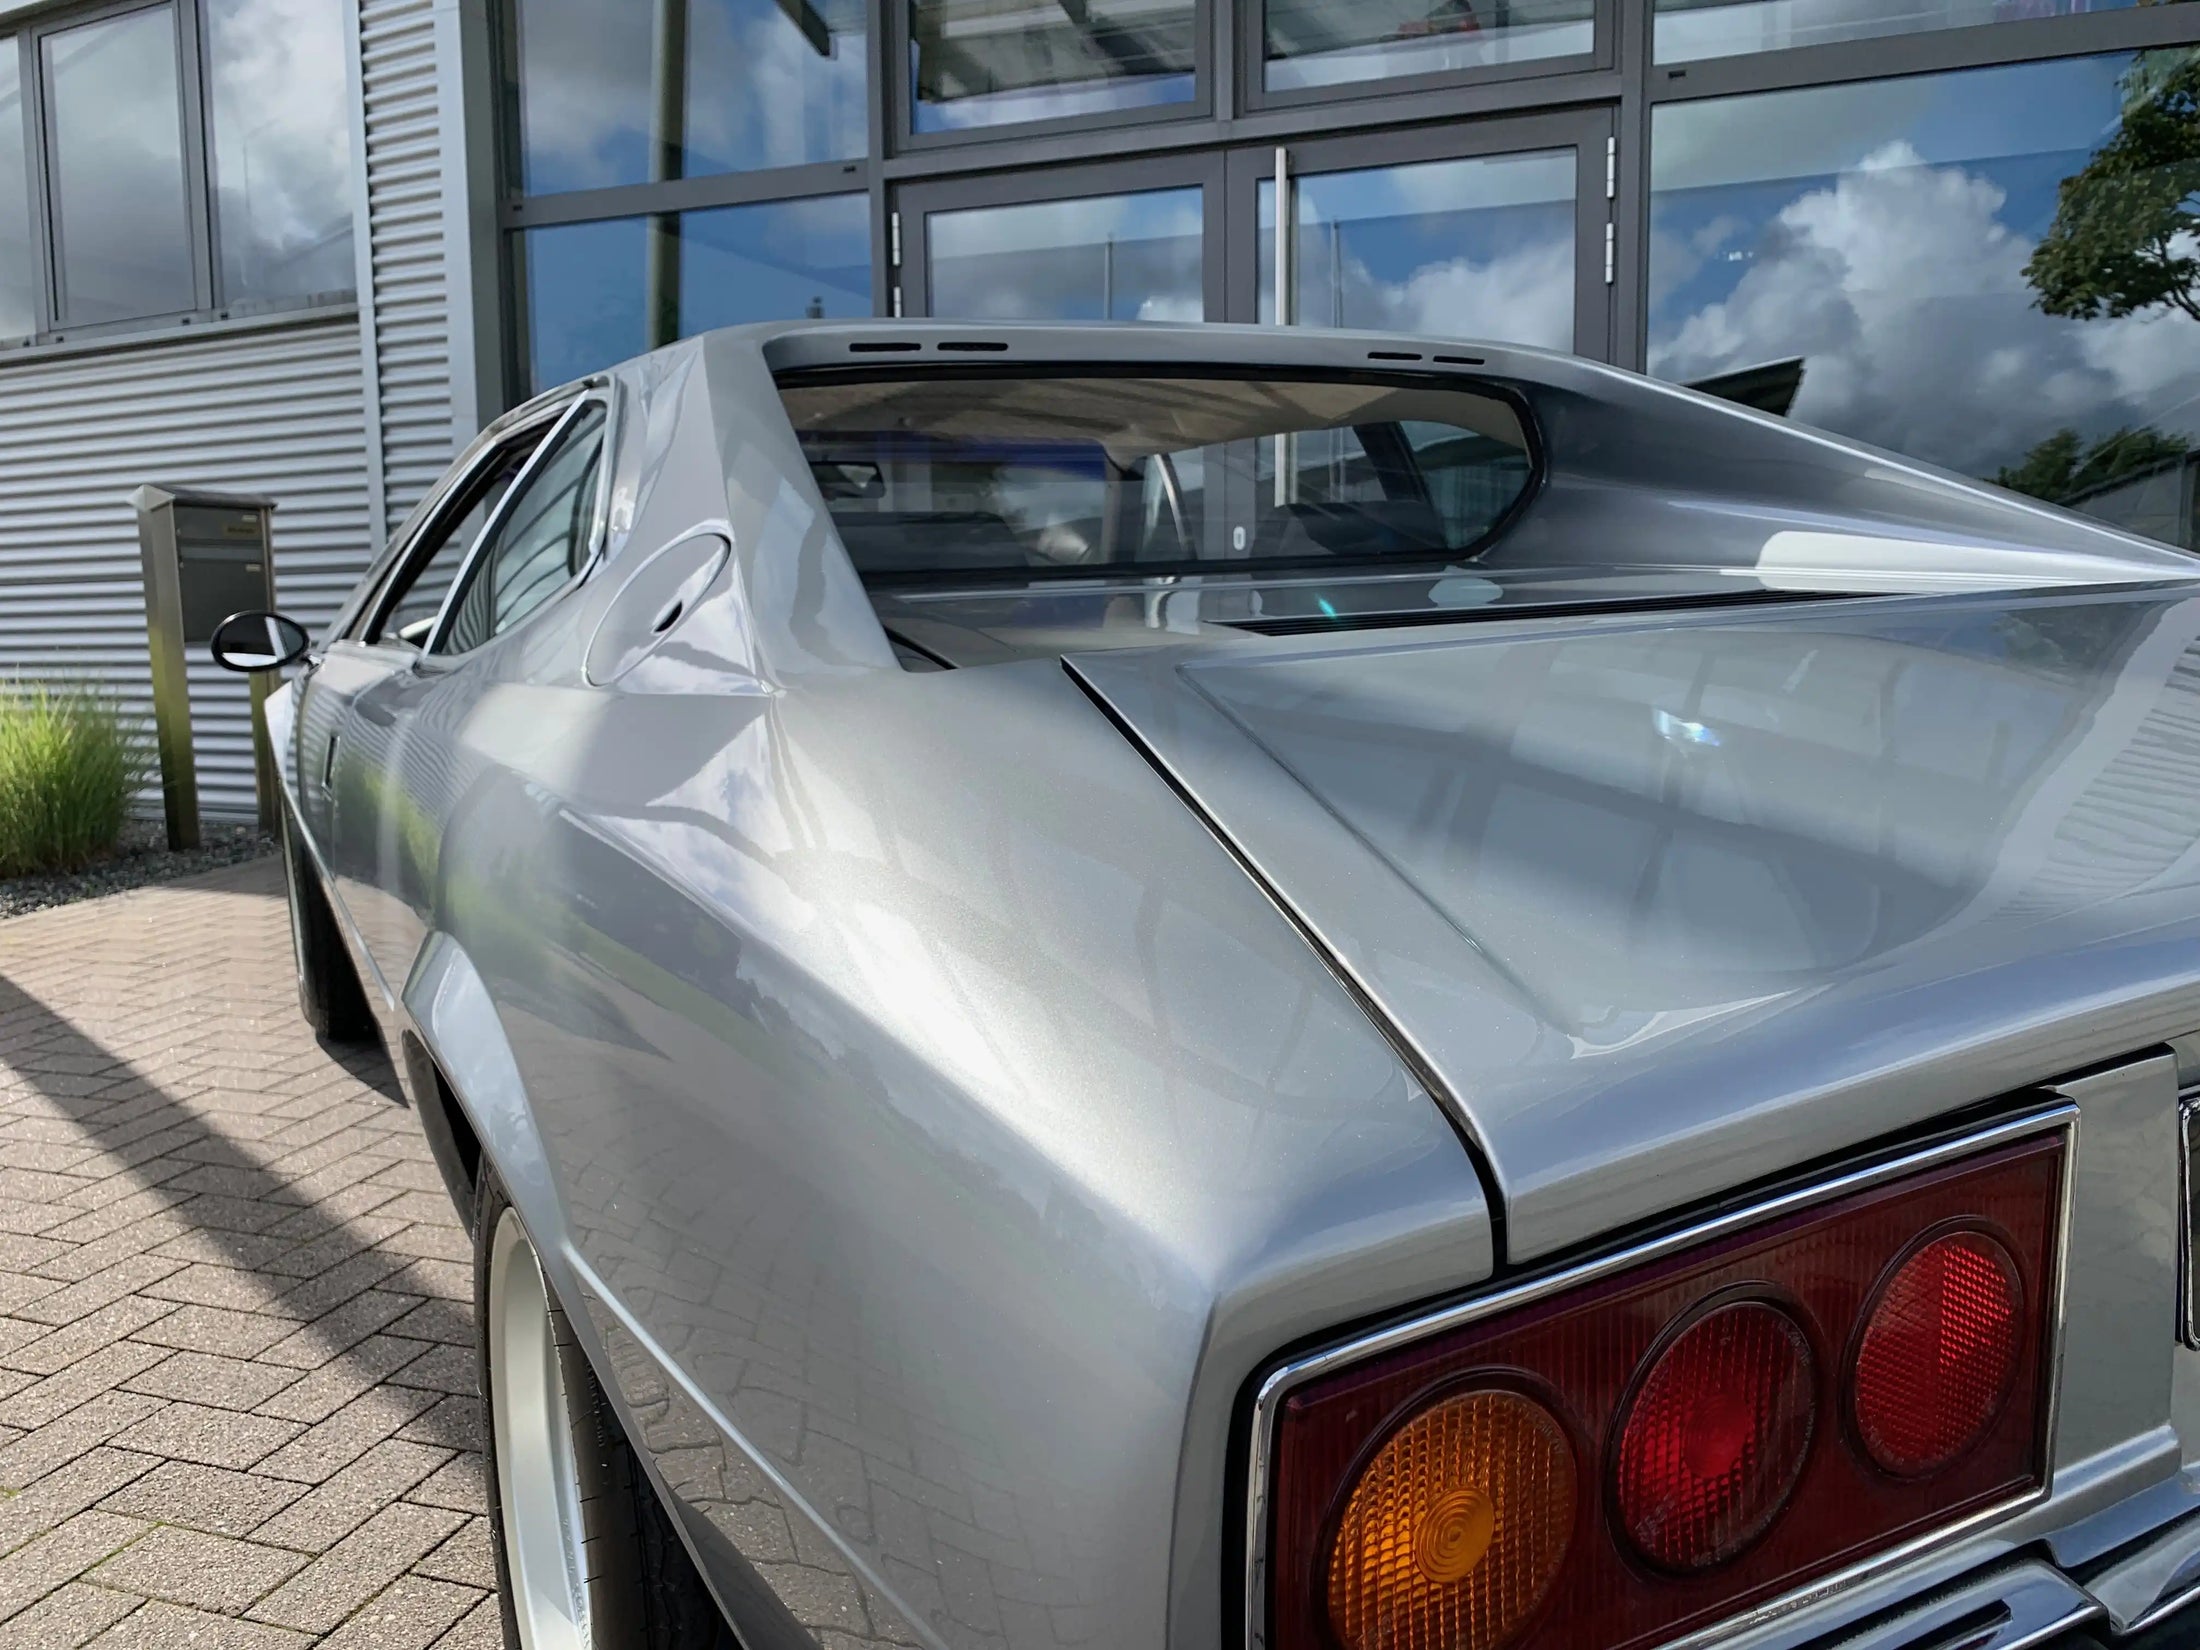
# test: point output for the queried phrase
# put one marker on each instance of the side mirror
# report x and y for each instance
(246, 642)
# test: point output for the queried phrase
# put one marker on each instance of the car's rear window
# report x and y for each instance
(933, 477)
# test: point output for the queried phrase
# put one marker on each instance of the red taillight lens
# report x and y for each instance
(1410, 1507)
(1939, 1353)
(1715, 1436)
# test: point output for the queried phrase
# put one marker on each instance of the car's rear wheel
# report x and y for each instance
(586, 1557)
(329, 993)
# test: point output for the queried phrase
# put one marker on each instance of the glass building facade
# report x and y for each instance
(1964, 230)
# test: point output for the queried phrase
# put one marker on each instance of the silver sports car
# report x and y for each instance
(1222, 987)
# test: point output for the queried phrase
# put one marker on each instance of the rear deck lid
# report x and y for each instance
(1664, 904)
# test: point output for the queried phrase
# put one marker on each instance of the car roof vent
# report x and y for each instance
(989, 344)
(1463, 360)
(884, 346)
(1395, 355)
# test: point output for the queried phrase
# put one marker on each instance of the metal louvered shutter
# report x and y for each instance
(276, 410)
(409, 307)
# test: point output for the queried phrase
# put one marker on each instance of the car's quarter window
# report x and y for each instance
(408, 609)
(538, 541)
(1021, 475)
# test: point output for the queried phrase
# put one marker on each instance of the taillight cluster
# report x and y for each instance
(1619, 1463)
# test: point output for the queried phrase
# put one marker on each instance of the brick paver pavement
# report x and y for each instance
(236, 1375)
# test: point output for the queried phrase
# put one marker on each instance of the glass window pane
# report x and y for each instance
(413, 603)
(18, 268)
(587, 299)
(117, 167)
(1322, 43)
(1102, 258)
(281, 148)
(1043, 473)
(1988, 270)
(753, 83)
(1692, 29)
(774, 261)
(992, 62)
(589, 302)
(532, 553)
(1480, 248)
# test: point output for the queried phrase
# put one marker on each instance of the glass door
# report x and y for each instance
(1091, 243)
(1496, 232)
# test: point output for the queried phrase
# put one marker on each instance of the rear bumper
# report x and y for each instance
(2145, 1598)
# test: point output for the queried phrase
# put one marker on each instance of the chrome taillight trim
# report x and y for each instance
(2057, 1117)
(2188, 1200)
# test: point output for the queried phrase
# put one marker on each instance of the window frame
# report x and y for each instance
(431, 654)
(201, 203)
(900, 95)
(393, 580)
(1205, 171)
(1252, 50)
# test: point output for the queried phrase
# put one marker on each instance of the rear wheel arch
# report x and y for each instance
(581, 1537)
(449, 1131)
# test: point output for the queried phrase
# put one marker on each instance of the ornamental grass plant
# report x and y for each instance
(69, 765)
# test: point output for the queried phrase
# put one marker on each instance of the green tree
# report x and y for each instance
(2064, 466)
(2126, 235)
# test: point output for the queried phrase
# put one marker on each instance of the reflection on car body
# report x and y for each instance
(1196, 986)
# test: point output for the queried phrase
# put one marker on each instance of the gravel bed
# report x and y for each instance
(141, 857)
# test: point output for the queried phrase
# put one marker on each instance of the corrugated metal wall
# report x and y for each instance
(283, 409)
(275, 411)
(408, 309)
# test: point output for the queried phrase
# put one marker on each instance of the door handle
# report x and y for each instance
(328, 764)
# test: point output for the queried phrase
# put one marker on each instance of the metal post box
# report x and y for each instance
(206, 555)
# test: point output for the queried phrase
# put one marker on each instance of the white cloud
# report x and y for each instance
(282, 146)
(1173, 306)
(1523, 295)
(1904, 291)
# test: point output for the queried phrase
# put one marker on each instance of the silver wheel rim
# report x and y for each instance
(538, 1490)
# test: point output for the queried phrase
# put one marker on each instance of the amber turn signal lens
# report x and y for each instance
(1456, 1529)
(1938, 1356)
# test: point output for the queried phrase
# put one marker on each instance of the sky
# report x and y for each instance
(1881, 233)
(759, 92)
(585, 281)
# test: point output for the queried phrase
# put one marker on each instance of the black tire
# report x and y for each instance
(644, 1592)
(329, 994)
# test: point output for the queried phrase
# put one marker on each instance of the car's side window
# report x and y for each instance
(540, 541)
(409, 608)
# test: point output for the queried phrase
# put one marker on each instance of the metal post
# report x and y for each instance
(205, 556)
(179, 779)
(266, 784)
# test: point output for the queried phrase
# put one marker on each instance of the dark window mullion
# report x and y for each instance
(201, 209)
(45, 247)
(878, 116)
(48, 204)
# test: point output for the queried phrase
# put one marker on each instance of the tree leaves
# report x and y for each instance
(2126, 235)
